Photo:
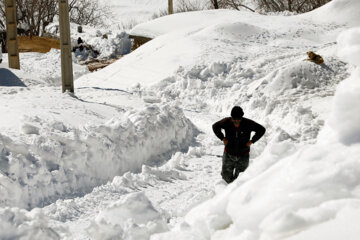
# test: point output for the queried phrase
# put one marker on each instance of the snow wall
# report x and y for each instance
(63, 161)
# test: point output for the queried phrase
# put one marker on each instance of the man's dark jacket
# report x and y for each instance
(237, 139)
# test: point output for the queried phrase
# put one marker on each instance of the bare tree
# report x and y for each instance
(235, 4)
(215, 4)
(32, 15)
(2, 16)
(87, 12)
(298, 6)
(35, 15)
(190, 5)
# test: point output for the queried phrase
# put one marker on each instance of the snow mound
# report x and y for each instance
(58, 160)
(298, 75)
(238, 31)
(21, 224)
(339, 11)
(134, 217)
(163, 25)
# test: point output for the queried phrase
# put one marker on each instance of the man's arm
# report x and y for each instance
(259, 131)
(217, 128)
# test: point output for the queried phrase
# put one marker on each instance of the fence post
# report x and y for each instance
(171, 7)
(65, 43)
(11, 34)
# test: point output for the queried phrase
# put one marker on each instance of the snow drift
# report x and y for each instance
(61, 160)
(300, 195)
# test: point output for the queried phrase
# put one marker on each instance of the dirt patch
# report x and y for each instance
(138, 41)
(95, 64)
(37, 44)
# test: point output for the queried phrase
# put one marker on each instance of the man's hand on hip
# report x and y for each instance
(248, 144)
(225, 141)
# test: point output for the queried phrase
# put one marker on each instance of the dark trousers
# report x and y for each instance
(233, 165)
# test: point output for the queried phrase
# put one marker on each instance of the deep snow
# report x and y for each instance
(303, 177)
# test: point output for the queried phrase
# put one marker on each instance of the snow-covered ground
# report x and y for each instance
(133, 156)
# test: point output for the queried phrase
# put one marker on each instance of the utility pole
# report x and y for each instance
(171, 7)
(65, 43)
(216, 5)
(11, 34)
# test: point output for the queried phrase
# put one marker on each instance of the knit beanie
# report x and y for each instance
(237, 112)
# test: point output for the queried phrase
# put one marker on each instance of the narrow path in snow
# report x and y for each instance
(201, 168)
(173, 189)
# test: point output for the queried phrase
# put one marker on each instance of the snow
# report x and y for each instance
(46, 71)
(340, 12)
(68, 158)
(342, 226)
(132, 155)
(200, 44)
(278, 201)
(9, 79)
(348, 46)
(109, 43)
(129, 13)
(137, 218)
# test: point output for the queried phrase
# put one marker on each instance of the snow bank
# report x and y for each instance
(346, 116)
(127, 213)
(21, 224)
(349, 48)
(337, 11)
(299, 194)
(58, 160)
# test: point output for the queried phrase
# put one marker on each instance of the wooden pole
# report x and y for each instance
(11, 34)
(171, 7)
(216, 5)
(65, 43)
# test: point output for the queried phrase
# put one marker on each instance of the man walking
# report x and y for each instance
(237, 142)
